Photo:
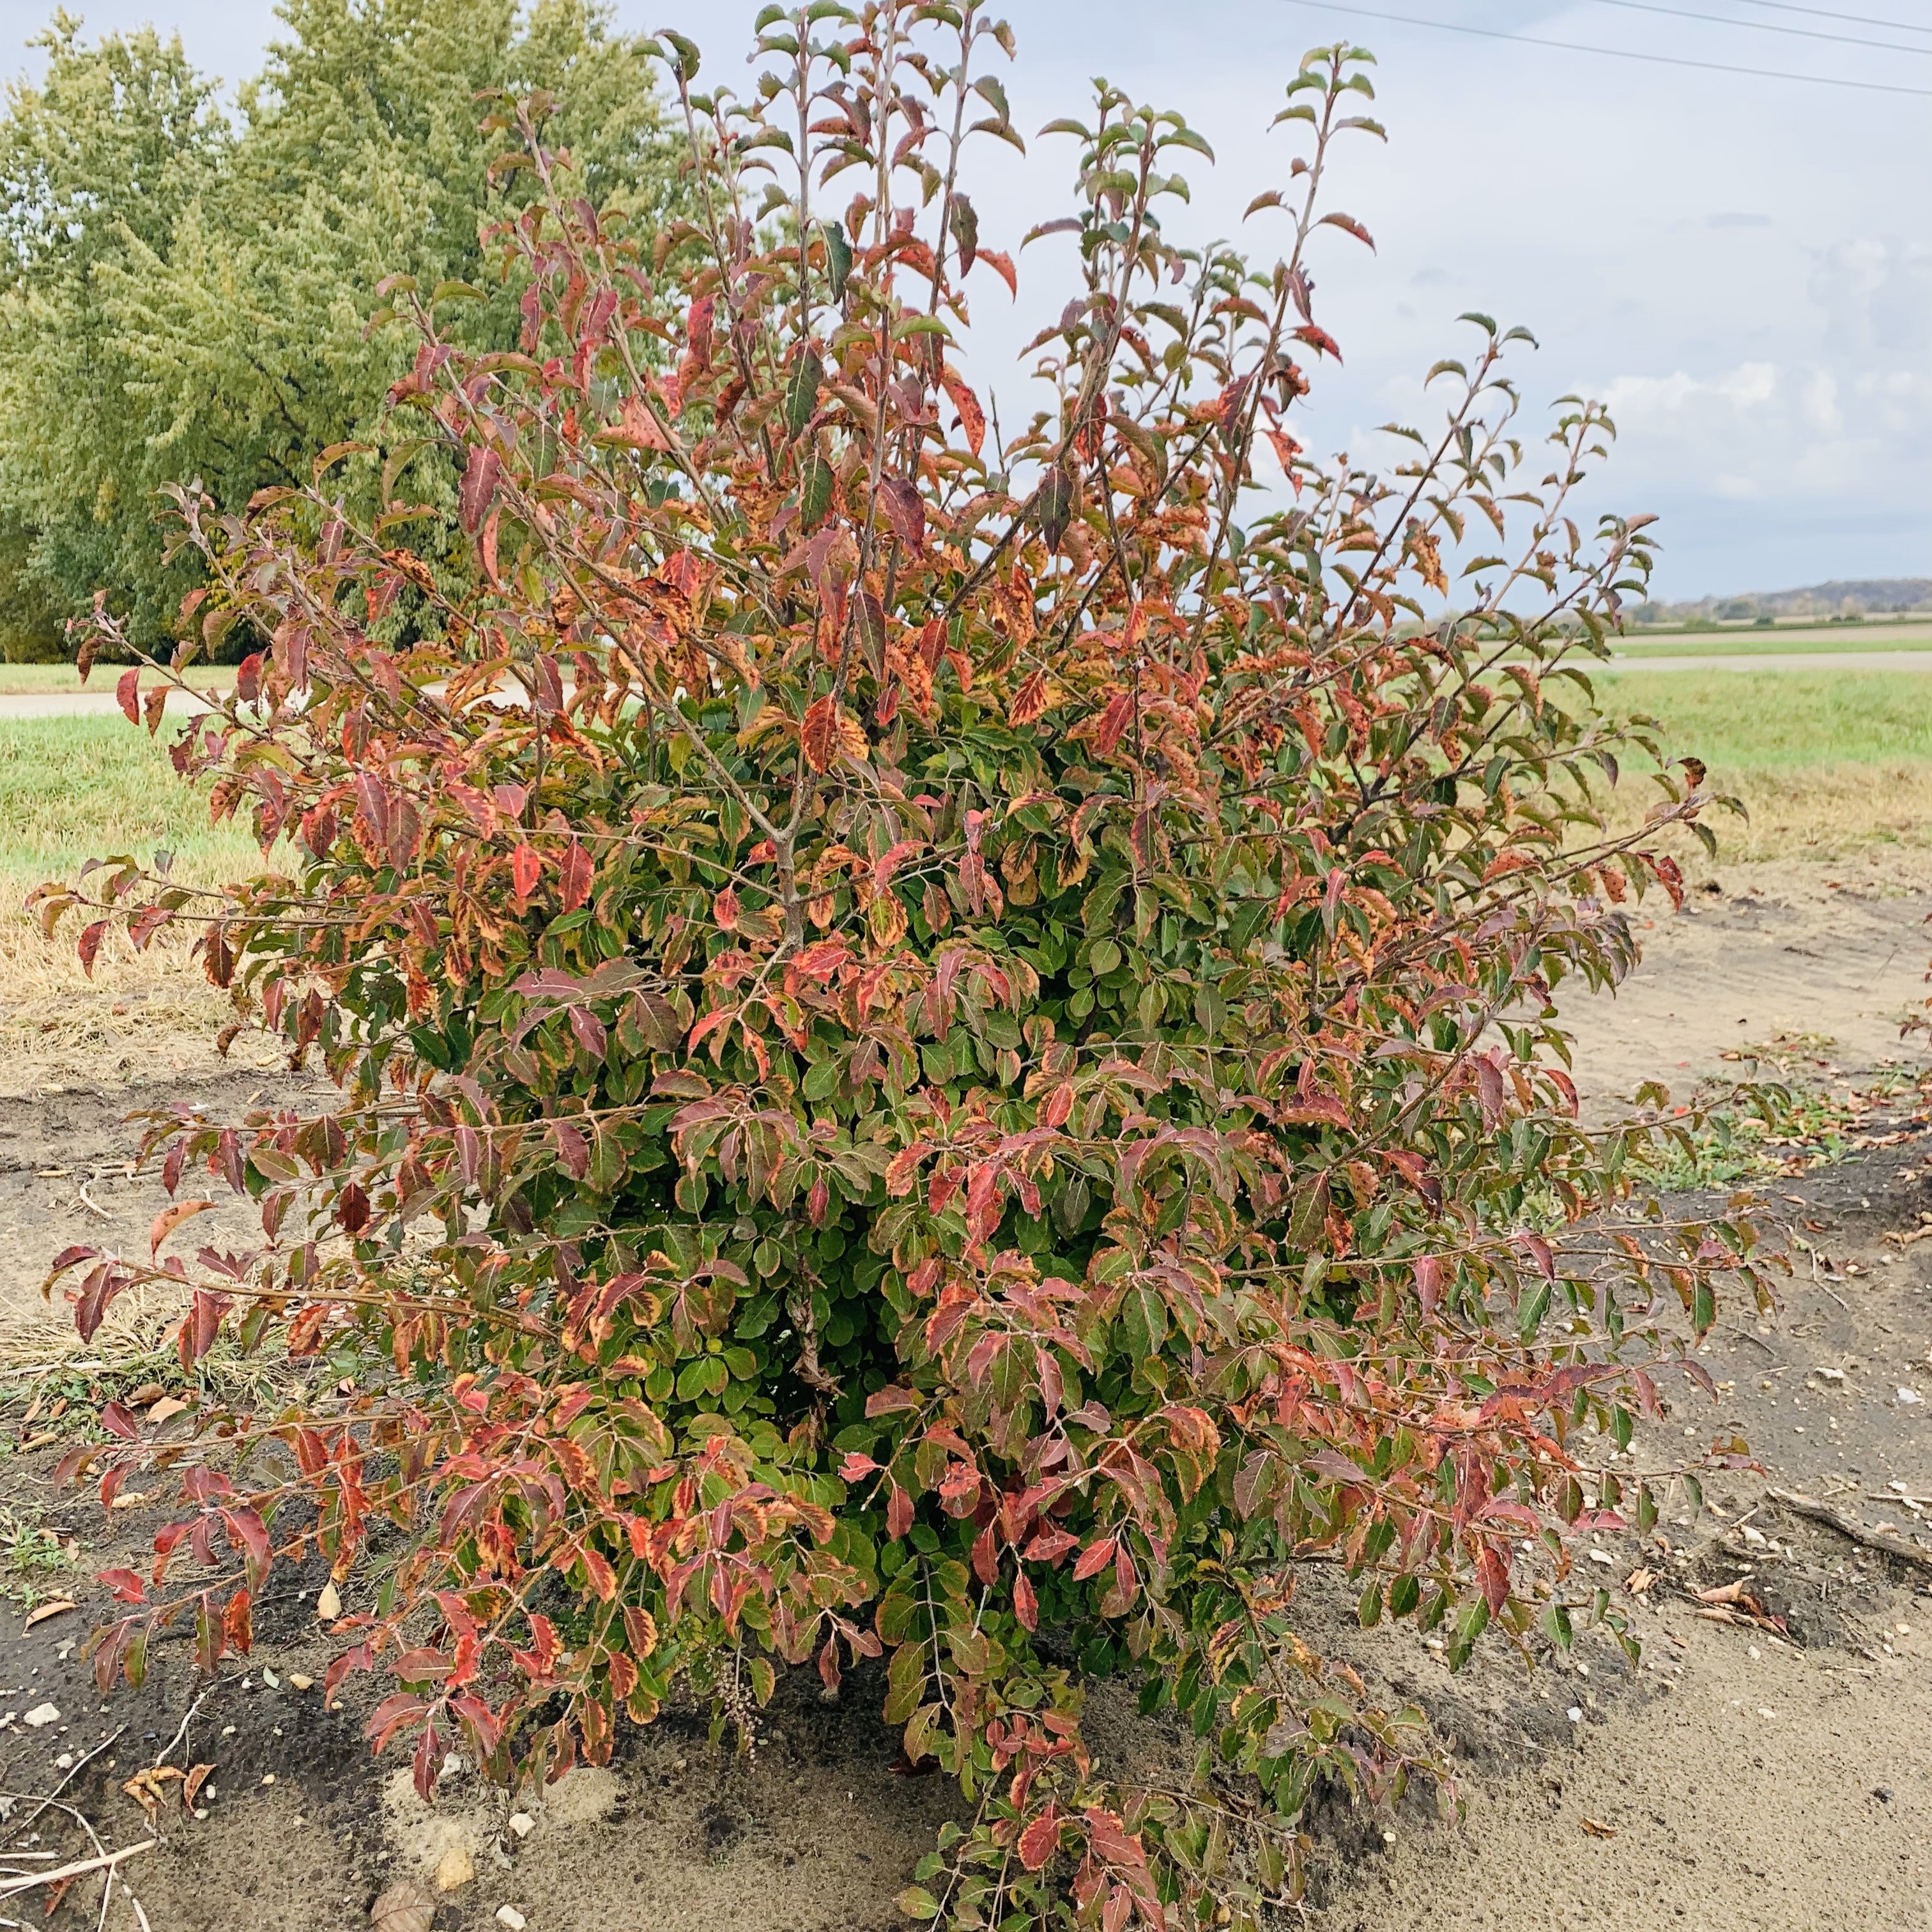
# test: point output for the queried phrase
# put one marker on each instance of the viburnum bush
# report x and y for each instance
(945, 1045)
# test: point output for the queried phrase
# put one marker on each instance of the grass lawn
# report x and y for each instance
(1822, 761)
(72, 789)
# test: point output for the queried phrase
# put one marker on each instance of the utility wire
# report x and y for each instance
(1852, 20)
(1616, 53)
(1765, 27)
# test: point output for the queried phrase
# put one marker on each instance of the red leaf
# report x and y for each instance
(1429, 1282)
(855, 1466)
(898, 1514)
(125, 1584)
(526, 869)
(577, 870)
(1029, 701)
(1093, 1559)
(1026, 1605)
(572, 1149)
(428, 1763)
(480, 474)
(125, 693)
(90, 945)
(1319, 340)
(900, 500)
(352, 1209)
(819, 738)
(1040, 1840)
(152, 706)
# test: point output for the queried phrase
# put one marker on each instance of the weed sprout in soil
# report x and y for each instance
(943, 1044)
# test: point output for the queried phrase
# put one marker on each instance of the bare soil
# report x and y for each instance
(1743, 1776)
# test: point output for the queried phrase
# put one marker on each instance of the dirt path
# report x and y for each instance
(1837, 953)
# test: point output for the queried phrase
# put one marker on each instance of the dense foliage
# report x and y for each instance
(186, 297)
(946, 1047)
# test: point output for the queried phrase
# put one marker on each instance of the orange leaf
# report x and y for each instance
(169, 1218)
(972, 417)
(820, 737)
(1002, 266)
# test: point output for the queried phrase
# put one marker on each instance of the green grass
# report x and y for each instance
(1734, 721)
(76, 788)
(34, 1562)
(1826, 763)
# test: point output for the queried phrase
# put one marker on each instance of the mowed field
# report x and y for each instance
(1825, 762)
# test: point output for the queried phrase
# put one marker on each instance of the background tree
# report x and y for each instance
(944, 1050)
(189, 296)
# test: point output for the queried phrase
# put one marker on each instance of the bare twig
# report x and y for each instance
(78, 1870)
(161, 1757)
(1832, 1518)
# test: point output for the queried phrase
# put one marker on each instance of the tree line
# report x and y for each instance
(187, 283)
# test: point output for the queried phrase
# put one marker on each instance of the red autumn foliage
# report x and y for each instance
(939, 1039)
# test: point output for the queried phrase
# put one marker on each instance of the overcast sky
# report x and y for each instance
(1741, 266)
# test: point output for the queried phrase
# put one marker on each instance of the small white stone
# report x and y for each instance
(41, 1716)
(64, 1762)
(1909, 1396)
(522, 1823)
(510, 1918)
(1575, 1714)
(268, 1777)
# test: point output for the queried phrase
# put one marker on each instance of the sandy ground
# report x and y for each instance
(1787, 947)
(1742, 1778)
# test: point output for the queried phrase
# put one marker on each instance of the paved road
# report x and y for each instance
(101, 704)
(81, 704)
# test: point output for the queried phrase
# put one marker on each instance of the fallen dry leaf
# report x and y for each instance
(1597, 1828)
(328, 1604)
(403, 1906)
(191, 1784)
(46, 1610)
(1726, 1593)
(149, 1789)
(1639, 1581)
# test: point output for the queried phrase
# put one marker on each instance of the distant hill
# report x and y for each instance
(1867, 594)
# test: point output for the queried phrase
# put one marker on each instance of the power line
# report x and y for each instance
(1825, 13)
(1617, 53)
(1765, 27)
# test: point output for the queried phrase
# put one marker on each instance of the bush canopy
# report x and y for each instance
(946, 1046)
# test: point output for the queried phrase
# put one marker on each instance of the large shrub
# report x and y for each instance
(946, 1047)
